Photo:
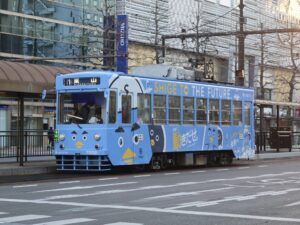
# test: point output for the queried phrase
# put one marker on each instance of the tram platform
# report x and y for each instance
(46, 165)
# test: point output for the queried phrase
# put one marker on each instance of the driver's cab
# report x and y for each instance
(81, 122)
(82, 108)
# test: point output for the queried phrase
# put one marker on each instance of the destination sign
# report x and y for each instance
(81, 81)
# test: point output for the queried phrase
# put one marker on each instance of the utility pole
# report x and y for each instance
(239, 75)
(262, 91)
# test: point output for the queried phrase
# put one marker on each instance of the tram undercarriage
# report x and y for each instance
(167, 160)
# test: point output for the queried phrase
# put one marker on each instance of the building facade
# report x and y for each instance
(65, 33)
(55, 32)
(82, 34)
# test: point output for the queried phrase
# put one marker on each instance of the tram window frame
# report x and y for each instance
(144, 108)
(188, 110)
(159, 109)
(226, 110)
(174, 109)
(237, 113)
(112, 111)
(126, 109)
(214, 113)
(201, 112)
(247, 113)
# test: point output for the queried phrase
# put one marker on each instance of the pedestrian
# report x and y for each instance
(51, 137)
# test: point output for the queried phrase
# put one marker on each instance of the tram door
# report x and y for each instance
(128, 119)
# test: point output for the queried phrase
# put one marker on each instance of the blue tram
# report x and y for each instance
(107, 119)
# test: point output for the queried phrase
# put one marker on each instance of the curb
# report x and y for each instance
(27, 171)
(277, 155)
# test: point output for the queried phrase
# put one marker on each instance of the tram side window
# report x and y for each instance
(237, 116)
(174, 109)
(214, 111)
(188, 110)
(144, 107)
(247, 113)
(126, 108)
(112, 107)
(226, 112)
(201, 105)
(159, 109)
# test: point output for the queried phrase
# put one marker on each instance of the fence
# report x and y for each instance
(277, 140)
(35, 144)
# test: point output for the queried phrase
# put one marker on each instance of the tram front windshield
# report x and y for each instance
(82, 108)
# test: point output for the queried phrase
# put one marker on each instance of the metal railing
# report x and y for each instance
(35, 143)
(280, 140)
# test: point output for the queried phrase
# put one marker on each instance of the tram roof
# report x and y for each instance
(204, 82)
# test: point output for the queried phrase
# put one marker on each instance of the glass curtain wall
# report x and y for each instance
(56, 29)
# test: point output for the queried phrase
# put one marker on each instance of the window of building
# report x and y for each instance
(188, 110)
(126, 108)
(112, 107)
(201, 106)
(214, 111)
(225, 3)
(174, 109)
(144, 107)
(226, 112)
(247, 113)
(237, 115)
(159, 109)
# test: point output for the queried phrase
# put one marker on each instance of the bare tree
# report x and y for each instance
(292, 43)
(99, 43)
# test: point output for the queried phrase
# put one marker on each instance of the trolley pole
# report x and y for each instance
(239, 76)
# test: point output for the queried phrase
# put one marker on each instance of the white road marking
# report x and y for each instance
(186, 193)
(123, 223)
(157, 210)
(245, 186)
(243, 167)
(262, 166)
(65, 222)
(110, 178)
(222, 170)
(56, 197)
(2, 213)
(83, 187)
(235, 198)
(146, 175)
(69, 182)
(168, 174)
(21, 218)
(293, 204)
(199, 171)
(24, 186)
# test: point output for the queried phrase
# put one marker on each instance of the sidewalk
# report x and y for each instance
(46, 165)
(34, 165)
(273, 154)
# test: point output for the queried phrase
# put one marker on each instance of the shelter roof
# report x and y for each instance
(28, 78)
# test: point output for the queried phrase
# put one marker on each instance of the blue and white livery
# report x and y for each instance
(106, 119)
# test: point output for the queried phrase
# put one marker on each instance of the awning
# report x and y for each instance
(28, 78)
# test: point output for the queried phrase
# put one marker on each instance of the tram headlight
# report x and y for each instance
(61, 137)
(97, 137)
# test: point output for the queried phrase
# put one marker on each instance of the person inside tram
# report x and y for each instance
(96, 118)
(84, 112)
